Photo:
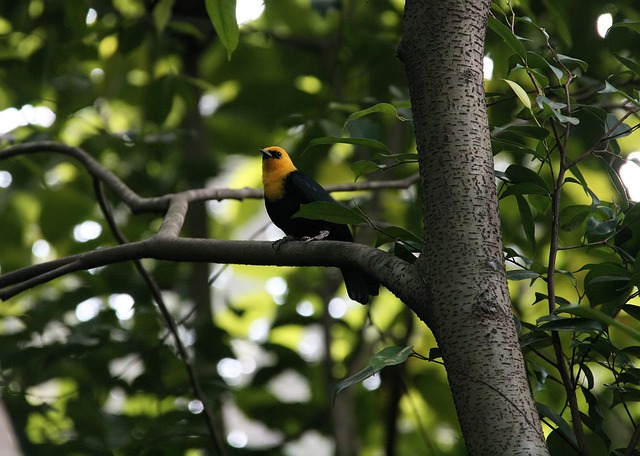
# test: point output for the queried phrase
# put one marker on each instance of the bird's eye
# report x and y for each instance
(277, 154)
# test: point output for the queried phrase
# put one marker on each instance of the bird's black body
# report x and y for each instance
(286, 189)
(301, 189)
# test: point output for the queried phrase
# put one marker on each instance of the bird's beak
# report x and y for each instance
(265, 153)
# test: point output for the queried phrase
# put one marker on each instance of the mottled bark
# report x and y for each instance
(468, 305)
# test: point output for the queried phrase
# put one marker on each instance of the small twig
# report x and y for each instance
(603, 139)
(633, 442)
(139, 205)
(561, 141)
(214, 433)
(382, 266)
(38, 279)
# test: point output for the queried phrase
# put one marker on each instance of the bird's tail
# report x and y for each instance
(359, 285)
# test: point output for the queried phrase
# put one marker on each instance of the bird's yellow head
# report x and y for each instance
(276, 166)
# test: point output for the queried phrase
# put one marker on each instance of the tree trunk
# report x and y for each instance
(468, 306)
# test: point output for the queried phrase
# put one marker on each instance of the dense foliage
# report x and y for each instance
(88, 363)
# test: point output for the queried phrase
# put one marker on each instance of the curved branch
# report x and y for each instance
(400, 277)
(133, 200)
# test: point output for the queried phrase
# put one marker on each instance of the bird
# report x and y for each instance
(285, 189)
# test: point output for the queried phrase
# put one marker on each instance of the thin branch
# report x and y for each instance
(633, 443)
(563, 369)
(35, 278)
(133, 200)
(214, 433)
(139, 205)
(603, 139)
(396, 274)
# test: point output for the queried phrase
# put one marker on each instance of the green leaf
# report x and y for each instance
(571, 217)
(383, 108)
(553, 107)
(399, 233)
(556, 14)
(537, 61)
(563, 427)
(389, 356)
(159, 102)
(405, 243)
(520, 93)
(588, 375)
(522, 274)
(579, 325)
(521, 174)
(572, 62)
(580, 180)
(600, 229)
(408, 157)
(594, 314)
(162, 14)
(615, 128)
(632, 310)
(401, 251)
(353, 380)
(529, 131)
(500, 144)
(509, 37)
(633, 66)
(635, 26)
(622, 396)
(371, 143)
(595, 411)
(223, 17)
(525, 189)
(610, 88)
(330, 212)
(606, 283)
(540, 374)
(362, 167)
(527, 220)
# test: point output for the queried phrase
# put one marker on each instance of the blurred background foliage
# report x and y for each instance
(148, 90)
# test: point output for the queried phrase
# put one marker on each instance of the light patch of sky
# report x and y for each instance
(41, 249)
(122, 303)
(248, 10)
(488, 67)
(12, 118)
(88, 309)
(604, 23)
(5, 179)
(630, 175)
(87, 231)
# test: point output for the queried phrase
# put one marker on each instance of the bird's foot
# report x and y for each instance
(280, 242)
(323, 234)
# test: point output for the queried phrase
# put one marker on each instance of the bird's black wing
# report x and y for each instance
(309, 191)
(359, 286)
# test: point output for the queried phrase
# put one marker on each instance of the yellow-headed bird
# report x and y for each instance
(285, 189)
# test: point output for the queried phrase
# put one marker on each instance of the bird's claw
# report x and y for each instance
(277, 244)
(323, 234)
